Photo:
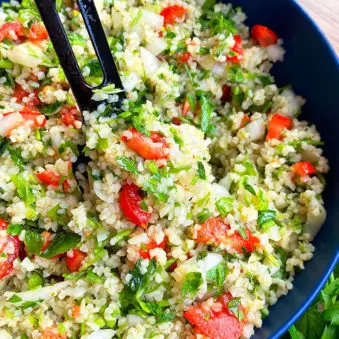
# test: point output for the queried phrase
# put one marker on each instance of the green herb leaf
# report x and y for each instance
(127, 164)
(51, 109)
(203, 215)
(332, 314)
(217, 275)
(208, 4)
(191, 284)
(295, 334)
(24, 189)
(14, 229)
(265, 216)
(225, 206)
(33, 242)
(201, 171)
(329, 292)
(62, 243)
(206, 112)
(233, 306)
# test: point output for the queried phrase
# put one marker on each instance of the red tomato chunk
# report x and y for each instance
(237, 49)
(172, 14)
(145, 251)
(215, 232)
(11, 30)
(264, 36)
(9, 250)
(37, 32)
(75, 259)
(130, 200)
(150, 148)
(48, 177)
(303, 168)
(277, 125)
(217, 325)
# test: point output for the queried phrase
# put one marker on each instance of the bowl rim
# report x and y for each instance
(335, 260)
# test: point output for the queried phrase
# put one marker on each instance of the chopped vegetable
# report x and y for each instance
(173, 14)
(277, 125)
(130, 200)
(264, 36)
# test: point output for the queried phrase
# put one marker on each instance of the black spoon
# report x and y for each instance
(82, 91)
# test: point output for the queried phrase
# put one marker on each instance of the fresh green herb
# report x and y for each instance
(295, 334)
(203, 215)
(62, 243)
(5, 63)
(191, 284)
(24, 189)
(121, 236)
(224, 206)
(127, 164)
(248, 187)
(58, 215)
(14, 229)
(109, 89)
(15, 299)
(265, 216)
(201, 171)
(35, 280)
(76, 39)
(16, 156)
(208, 4)
(152, 166)
(144, 206)
(189, 74)
(34, 242)
(216, 276)
(192, 100)
(233, 306)
(206, 111)
(95, 69)
(51, 109)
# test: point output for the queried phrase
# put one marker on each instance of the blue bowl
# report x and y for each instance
(312, 68)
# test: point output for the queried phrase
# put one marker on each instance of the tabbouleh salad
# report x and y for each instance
(203, 193)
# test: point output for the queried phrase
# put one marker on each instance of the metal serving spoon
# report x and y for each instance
(82, 91)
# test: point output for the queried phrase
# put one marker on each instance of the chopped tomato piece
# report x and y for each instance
(150, 148)
(32, 98)
(34, 119)
(130, 205)
(9, 250)
(7, 30)
(277, 125)
(172, 14)
(221, 324)
(185, 108)
(76, 310)
(75, 260)
(69, 115)
(226, 93)
(37, 32)
(245, 120)
(303, 168)
(53, 333)
(237, 49)
(176, 121)
(48, 177)
(184, 58)
(264, 36)
(67, 186)
(146, 248)
(215, 232)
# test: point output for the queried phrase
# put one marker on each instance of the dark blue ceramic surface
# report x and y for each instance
(313, 70)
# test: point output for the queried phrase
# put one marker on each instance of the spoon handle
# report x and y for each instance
(82, 91)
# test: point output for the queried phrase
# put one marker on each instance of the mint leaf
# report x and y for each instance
(191, 284)
(127, 164)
